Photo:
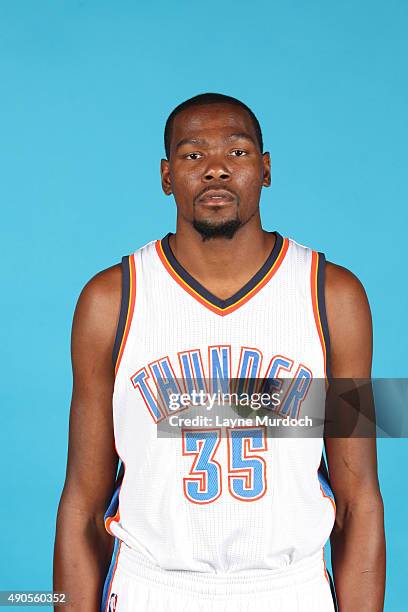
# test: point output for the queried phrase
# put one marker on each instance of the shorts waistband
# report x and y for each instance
(135, 565)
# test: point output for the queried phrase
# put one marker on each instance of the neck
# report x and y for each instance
(220, 264)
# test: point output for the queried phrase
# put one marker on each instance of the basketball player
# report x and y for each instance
(211, 520)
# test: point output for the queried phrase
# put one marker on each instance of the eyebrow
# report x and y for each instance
(241, 136)
(202, 141)
(184, 141)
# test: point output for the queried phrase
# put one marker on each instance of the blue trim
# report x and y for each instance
(111, 511)
(113, 505)
(323, 477)
(333, 591)
(207, 295)
(321, 303)
(114, 502)
(124, 305)
(109, 576)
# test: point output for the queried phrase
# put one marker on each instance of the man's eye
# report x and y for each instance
(238, 152)
(193, 156)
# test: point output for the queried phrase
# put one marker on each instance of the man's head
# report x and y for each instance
(215, 164)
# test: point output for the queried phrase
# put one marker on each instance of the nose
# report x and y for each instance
(216, 170)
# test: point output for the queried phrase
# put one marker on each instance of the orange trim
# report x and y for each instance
(324, 566)
(315, 303)
(116, 517)
(329, 498)
(131, 307)
(222, 311)
(113, 576)
(112, 519)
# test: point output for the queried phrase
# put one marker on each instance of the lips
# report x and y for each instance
(216, 195)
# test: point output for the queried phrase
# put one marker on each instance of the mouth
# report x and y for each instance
(216, 197)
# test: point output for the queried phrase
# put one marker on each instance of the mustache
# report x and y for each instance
(215, 186)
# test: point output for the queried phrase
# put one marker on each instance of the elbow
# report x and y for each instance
(367, 508)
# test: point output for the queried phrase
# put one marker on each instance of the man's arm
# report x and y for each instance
(357, 541)
(83, 548)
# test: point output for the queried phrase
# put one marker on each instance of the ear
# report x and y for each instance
(267, 176)
(165, 176)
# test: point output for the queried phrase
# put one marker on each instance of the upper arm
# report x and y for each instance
(92, 459)
(352, 460)
(349, 321)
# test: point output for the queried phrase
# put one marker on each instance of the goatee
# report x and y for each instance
(209, 230)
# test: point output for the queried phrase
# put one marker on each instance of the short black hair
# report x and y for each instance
(201, 100)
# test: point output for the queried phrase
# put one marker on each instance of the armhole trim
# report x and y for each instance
(107, 588)
(126, 308)
(319, 306)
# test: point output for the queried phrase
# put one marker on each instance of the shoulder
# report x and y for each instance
(103, 290)
(343, 289)
(349, 322)
(342, 286)
(97, 310)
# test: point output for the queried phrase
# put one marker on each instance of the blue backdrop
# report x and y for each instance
(86, 86)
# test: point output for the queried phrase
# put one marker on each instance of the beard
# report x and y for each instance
(208, 229)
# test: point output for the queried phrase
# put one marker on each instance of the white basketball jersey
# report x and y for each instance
(218, 499)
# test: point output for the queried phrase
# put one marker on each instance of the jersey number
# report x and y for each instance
(246, 469)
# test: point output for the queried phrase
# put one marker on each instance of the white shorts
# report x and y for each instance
(136, 585)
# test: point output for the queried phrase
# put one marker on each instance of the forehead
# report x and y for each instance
(212, 121)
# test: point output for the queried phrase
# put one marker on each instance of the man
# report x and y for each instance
(212, 519)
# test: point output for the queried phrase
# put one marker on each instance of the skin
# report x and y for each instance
(82, 547)
(357, 540)
(217, 160)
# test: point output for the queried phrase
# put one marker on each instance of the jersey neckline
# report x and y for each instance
(208, 299)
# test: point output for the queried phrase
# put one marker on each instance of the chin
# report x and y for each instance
(222, 229)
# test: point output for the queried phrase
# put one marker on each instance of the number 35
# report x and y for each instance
(246, 469)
